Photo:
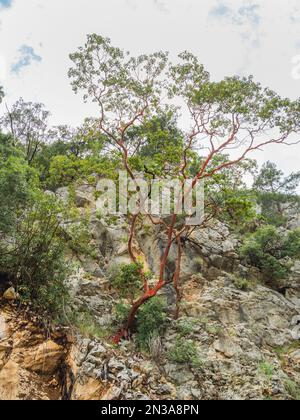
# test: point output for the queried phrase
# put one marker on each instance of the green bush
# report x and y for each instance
(151, 318)
(186, 326)
(127, 280)
(31, 247)
(121, 313)
(34, 261)
(241, 283)
(266, 249)
(184, 352)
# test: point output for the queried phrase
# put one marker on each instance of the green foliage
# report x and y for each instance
(87, 325)
(241, 283)
(127, 280)
(266, 249)
(27, 122)
(226, 192)
(159, 145)
(34, 260)
(276, 194)
(267, 369)
(151, 318)
(293, 389)
(1, 94)
(15, 184)
(121, 313)
(186, 326)
(65, 170)
(291, 245)
(185, 352)
(32, 247)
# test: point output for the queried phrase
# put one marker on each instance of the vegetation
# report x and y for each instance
(267, 369)
(33, 238)
(267, 249)
(150, 321)
(127, 280)
(277, 195)
(293, 389)
(85, 323)
(136, 120)
(138, 130)
(241, 283)
(185, 352)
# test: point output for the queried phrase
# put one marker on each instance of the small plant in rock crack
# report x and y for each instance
(241, 283)
(267, 369)
(293, 389)
(185, 352)
(186, 326)
(84, 321)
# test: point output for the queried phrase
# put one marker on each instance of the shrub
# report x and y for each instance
(127, 280)
(267, 247)
(241, 283)
(150, 321)
(186, 326)
(34, 260)
(121, 313)
(184, 352)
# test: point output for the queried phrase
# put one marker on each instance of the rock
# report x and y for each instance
(9, 381)
(296, 332)
(180, 375)
(295, 356)
(44, 359)
(98, 351)
(227, 347)
(10, 295)
(18, 355)
(87, 390)
(83, 195)
(2, 328)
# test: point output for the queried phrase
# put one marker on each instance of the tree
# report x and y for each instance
(74, 155)
(15, 181)
(230, 115)
(27, 122)
(276, 193)
(267, 249)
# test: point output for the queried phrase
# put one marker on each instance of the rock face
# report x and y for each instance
(29, 362)
(245, 344)
(227, 344)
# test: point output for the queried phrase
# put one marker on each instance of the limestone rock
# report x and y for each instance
(44, 359)
(10, 295)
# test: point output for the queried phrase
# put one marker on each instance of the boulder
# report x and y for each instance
(44, 359)
(10, 295)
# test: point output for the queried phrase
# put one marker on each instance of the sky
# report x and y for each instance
(230, 37)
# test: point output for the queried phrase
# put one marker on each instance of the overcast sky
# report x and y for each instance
(230, 37)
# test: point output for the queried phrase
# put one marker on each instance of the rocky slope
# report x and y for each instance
(243, 344)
